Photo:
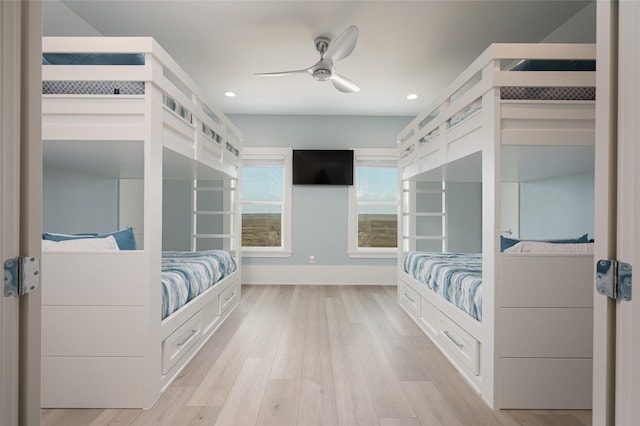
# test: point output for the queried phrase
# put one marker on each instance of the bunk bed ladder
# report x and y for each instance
(424, 219)
(214, 205)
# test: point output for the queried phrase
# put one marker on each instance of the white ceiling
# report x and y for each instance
(403, 46)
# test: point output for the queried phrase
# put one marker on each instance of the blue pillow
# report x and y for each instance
(124, 237)
(505, 242)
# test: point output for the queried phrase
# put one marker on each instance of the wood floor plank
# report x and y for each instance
(558, 420)
(288, 360)
(353, 401)
(429, 405)
(243, 403)
(455, 390)
(317, 402)
(210, 352)
(166, 409)
(376, 316)
(217, 383)
(352, 305)
(402, 323)
(388, 397)
(280, 403)
(400, 422)
(196, 416)
(401, 352)
(339, 327)
(517, 418)
(71, 417)
(267, 340)
(113, 417)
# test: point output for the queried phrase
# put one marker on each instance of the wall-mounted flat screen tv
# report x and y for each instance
(322, 167)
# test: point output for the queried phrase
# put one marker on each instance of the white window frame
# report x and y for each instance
(353, 250)
(270, 154)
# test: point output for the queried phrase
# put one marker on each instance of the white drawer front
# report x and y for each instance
(410, 299)
(229, 297)
(179, 342)
(430, 317)
(460, 344)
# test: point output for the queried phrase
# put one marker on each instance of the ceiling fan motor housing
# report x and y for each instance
(322, 74)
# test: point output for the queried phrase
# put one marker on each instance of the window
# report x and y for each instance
(373, 204)
(266, 202)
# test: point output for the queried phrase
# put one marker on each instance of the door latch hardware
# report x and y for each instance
(21, 276)
(613, 279)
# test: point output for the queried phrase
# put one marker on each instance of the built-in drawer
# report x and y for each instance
(229, 297)
(180, 341)
(410, 299)
(430, 317)
(460, 344)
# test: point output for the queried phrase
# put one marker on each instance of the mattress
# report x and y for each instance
(186, 275)
(92, 87)
(456, 277)
(549, 93)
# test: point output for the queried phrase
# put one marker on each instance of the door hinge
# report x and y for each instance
(613, 279)
(21, 276)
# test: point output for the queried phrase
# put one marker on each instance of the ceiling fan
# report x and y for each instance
(323, 70)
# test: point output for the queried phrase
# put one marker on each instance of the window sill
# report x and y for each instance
(265, 253)
(373, 254)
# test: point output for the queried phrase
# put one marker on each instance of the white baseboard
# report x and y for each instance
(320, 274)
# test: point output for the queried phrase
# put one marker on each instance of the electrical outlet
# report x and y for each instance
(312, 259)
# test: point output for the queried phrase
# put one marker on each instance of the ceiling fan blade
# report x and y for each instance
(342, 47)
(277, 74)
(343, 84)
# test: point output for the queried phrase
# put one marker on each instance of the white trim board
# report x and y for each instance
(320, 274)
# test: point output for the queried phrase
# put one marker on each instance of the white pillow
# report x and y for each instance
(81, 244)
(543, 247)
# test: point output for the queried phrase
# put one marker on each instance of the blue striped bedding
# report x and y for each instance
(457, 277)
(186, 275)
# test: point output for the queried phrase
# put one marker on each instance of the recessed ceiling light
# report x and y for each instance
(412, 96)
(229, 94)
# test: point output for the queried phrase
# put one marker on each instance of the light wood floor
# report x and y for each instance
(318, 355)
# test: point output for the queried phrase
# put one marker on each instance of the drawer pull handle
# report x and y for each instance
(455, 342)
(230, 296)
(187, 338)
(411, 299)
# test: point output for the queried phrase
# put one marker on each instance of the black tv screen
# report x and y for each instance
(322, 167)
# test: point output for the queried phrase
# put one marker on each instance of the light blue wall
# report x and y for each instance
(176, 215)
(464, 217)
(76, 203)
(320, 131)
(319, 213)
(557, 208)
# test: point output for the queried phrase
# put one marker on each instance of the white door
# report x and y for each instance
(617, 324)
(627, 377)
(9, 205)
(20, 205)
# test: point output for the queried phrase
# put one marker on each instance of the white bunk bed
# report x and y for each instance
(529, 344)
(122, 111)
